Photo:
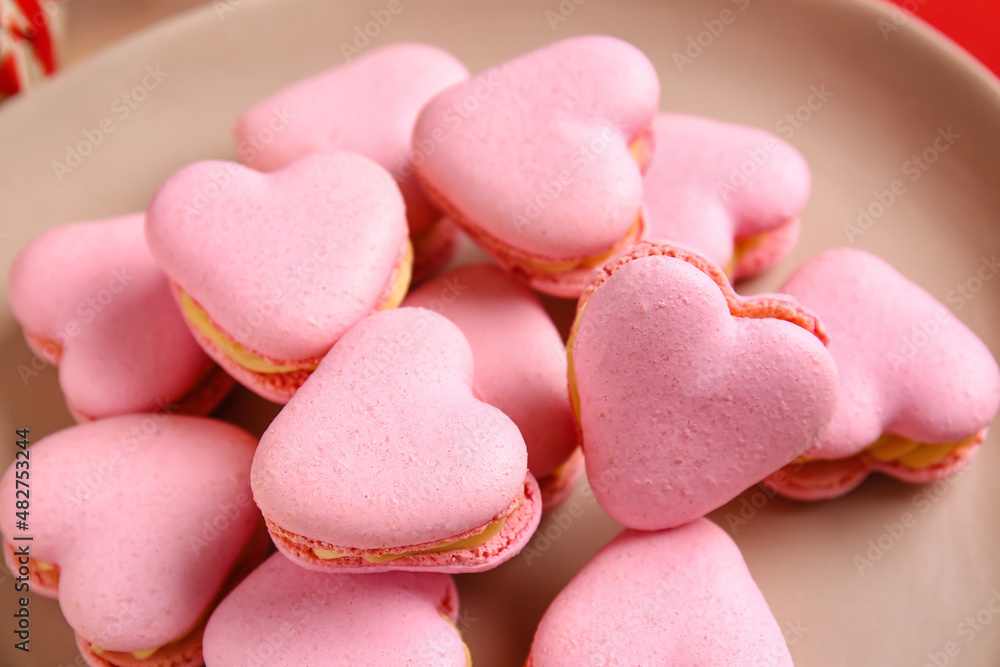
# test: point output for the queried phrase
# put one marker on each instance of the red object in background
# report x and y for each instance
(26, 44)
(974, 24)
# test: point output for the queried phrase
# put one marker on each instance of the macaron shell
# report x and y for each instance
(92, 513)
(367, 106)
(672, 598)
(514, 535)
(283, 616)
(520, 358)
(490, 146)
(285, 262)
(683, 404)
(385, 445)
(91, 296)
(710, 183)
(907, 365)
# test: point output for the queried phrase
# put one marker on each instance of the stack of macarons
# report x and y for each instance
(430, 417)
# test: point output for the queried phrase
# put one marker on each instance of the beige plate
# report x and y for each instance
(885, 100)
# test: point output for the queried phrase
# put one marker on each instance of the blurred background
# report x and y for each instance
(39, 36)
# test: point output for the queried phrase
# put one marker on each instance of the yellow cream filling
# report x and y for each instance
(138, 655)
(199, 319)
(402, 282)
(574, 393)
(586, 262)
(468, 655)
(470, 542)
(642, 151)
(741, 247)
(910, 453)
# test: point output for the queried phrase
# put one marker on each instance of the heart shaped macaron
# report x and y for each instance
(283, 615)
(917, 387)
(536, 158)
(139, 523)
(731, 192)
(688, 393)
(386, 460)
(366, 106)
(520, 364)
(271, 269)
(676, 597)
(92, 300)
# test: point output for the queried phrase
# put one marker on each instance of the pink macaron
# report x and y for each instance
(92, 300)
(386, 460)
(731, 192)
(138, 524)
(675, 597)
(366, 106)
(917, 387)
(686, 392)
(271, 269)
(539, 158)
(520, 365)
(285, 616)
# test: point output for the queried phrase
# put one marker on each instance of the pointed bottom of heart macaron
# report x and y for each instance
(517, 528)
(824, 479)
(185, 651)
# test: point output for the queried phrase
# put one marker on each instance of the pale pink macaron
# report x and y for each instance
(731, 192)
(139, 525)
(686, 392)
(285, 616)
(677, 597)
(386, 460)
(520, 365)
(917, 387)
(271, 269)
(539, 158)
(366, 106)
(92, 300)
